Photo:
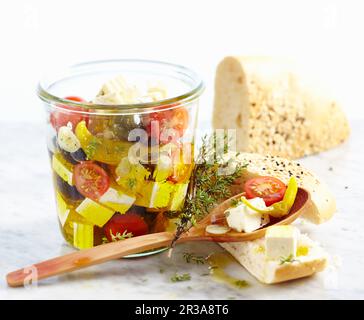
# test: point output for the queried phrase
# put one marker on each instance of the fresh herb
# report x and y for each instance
(192, 258)
(241, 283)
(118, 236)
(180, 277)
(288, 259)
(91, 148)
(208, 185)
(131, 182)
(235, 202)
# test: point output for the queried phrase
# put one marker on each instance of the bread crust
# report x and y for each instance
(323, 204)
(275, 109)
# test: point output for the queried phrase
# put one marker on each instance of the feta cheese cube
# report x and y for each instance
(244, 219)
(281, 242)
(83, 235)
(94, 212)
(62, 209)
(117, 200)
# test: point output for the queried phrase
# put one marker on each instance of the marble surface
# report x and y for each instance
(29, 233)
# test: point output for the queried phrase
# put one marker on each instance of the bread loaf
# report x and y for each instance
(275, 108)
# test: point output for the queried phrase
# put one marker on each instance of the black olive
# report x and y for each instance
(69, 192)
(79, 155)
(123, 125)
(67, 156)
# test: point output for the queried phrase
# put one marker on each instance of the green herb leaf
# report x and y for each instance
(235, 202)
(288, 259)
(192, 258)
(180, 277)
(241, 283)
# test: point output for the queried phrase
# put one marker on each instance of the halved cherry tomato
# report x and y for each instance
(90, 180)
(61, 118)
(127, 225)
(269, 188)
(176, 119)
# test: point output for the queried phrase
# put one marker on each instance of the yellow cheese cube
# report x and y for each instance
(61, 169)
(62, 209)
(117, 200)
(83, 235)
(155, 194)
(94, 212)
(131, 176)
(178, 196)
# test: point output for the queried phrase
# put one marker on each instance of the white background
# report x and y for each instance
(325, 35)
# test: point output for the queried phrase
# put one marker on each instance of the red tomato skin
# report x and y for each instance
(269, 199)
(127, 222)
(88, 187)
(60, 118)
(176, 119)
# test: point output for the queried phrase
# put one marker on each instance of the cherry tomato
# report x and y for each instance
(179, 120)
(61, 118)
(125, 225)
(269, 188)
(176, 119)
(90, 180)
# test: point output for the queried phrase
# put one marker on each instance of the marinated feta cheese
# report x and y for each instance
(62, 209)
(164, 168)
(119, 91)
(67, 140)
(178, 196)
(243, 219)
(281, 242)
(116, 200)
(94, 212)
(155, 194)
(62, 170)
(83, 235)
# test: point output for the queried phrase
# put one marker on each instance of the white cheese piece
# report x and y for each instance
(281, 242)
(244, 219)
(67, 140)
(117, 200)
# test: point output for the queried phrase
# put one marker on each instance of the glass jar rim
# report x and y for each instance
(190, 95)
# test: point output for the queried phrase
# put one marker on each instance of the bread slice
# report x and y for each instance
(322, 202)
(251, 255)
(275, 108)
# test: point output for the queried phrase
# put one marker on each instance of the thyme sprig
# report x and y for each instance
(192, 258)
(288, 259)
(208, 184)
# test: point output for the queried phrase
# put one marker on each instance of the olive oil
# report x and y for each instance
(218, 264)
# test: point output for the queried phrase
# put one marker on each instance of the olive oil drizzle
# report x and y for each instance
(218, 263)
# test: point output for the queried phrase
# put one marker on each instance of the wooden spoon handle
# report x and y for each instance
(84, 258)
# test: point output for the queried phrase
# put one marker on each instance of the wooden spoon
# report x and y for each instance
(114, 250)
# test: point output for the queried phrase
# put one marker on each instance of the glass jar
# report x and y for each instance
(120, 170)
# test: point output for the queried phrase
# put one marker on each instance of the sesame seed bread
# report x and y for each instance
(251, 255)
(323, 204)
(275, 108)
